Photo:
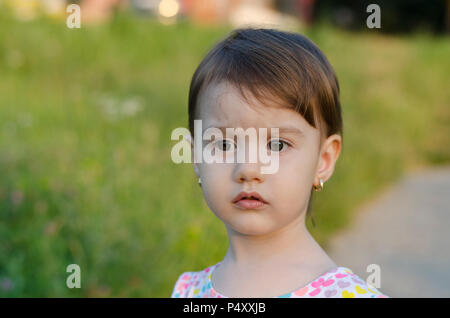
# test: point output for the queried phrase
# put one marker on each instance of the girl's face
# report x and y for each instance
(287, 191)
